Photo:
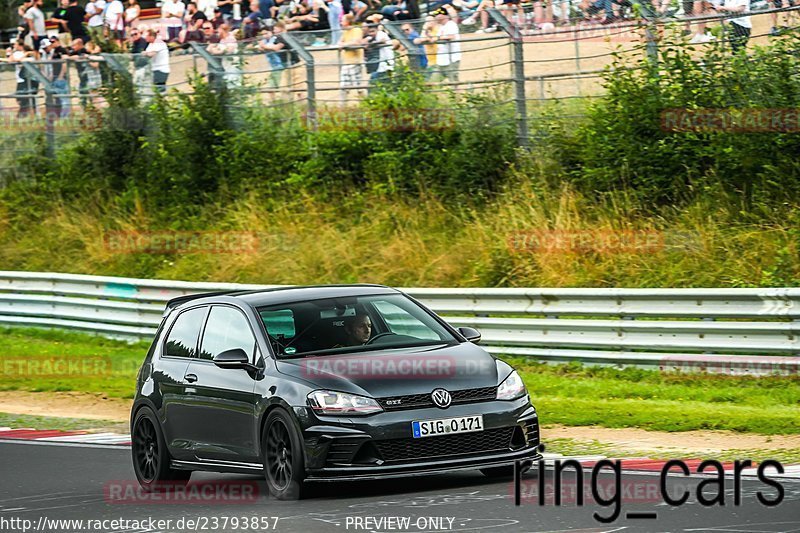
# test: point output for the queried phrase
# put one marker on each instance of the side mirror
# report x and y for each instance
(471, 334)
(234, 358)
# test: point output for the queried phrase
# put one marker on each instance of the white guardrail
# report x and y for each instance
(753, 331)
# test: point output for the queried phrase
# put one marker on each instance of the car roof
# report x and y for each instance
(283, 295)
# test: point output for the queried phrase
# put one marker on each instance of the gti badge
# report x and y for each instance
(441, 398)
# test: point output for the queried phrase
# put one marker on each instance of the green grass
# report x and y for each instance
(578, 396)
(33, 360)
(56, 422)
(787, 456)
(563, 394)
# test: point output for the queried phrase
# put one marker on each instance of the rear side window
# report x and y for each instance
(227, 328)
(182, 338)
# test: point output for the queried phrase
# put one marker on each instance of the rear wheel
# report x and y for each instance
(284, 466)
(151, 460)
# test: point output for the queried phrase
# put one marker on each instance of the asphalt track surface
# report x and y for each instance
(72, 482)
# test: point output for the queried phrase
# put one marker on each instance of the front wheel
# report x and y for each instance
(151, 460)
(284, 466)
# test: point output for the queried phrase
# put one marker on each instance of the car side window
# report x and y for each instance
(182, 338)
(227, 328)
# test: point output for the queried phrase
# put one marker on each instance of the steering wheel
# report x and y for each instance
(378, 336)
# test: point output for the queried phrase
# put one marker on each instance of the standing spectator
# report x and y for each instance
(335, 12)
(158, 53)
(787, 16)
(59, 17)
(172, 16)
(379, 53)
(26, 87)
(740, 27)
(95, 9)
(352, 48)
(77, 53)
(417, 60)
(227, 48)
(141, 73)
(448, 48)
(114, 20)
(52, 50)
(35, 20)
(74, 16)
(132, 14)
(279, 54)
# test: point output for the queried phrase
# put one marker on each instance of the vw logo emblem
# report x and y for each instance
(441, 398)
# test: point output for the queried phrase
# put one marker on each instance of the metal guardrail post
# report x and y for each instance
(519, 75)
(214, 65)
(114, 64)
(311, 88)
(49, 104)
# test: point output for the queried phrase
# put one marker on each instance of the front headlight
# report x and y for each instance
(340, 403)
(511, 388)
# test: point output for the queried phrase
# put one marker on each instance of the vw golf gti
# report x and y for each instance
(323, 384)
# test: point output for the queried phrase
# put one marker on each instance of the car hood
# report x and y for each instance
(397, 372)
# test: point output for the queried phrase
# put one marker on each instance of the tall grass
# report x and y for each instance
(423, 241)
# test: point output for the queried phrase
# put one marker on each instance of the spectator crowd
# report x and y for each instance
(357, 28)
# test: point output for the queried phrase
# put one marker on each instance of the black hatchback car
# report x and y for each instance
(322, 384)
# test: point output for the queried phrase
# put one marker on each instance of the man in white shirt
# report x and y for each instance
(115, 20)
(740, 27)
(172, 16)
(35, 19)
(95, 11)
(158, 53)
(448, 48)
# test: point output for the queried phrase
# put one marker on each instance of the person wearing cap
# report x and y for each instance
(52, 53)
(448, 48)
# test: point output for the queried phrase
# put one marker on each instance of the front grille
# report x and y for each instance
(418, 401)
(498, 439)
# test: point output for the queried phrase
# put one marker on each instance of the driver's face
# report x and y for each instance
(362, 329)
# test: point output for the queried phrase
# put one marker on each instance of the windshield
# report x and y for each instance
(350, 324)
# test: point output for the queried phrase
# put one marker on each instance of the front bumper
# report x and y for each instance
(381, 445)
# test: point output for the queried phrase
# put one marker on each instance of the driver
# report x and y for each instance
(358, 330)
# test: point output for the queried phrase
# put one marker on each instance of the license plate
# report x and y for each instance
(446, 426)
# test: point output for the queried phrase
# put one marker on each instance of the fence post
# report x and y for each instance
(214, 65)
(49, 105)
(519, 75)
(311, 87)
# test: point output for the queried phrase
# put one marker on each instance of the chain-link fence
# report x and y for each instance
(515, 53)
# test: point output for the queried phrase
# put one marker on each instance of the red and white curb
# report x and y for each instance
(57, 435)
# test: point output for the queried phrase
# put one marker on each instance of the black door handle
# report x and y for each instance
(191, 378)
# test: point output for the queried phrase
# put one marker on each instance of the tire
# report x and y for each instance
(284, 466)
(151, 460)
